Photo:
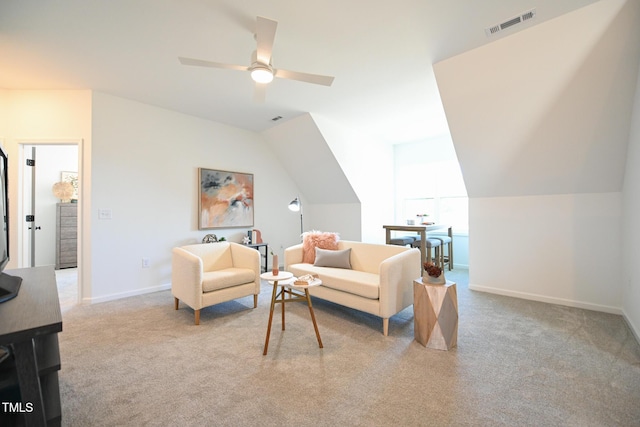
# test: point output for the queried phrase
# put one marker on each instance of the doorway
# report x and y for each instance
(44, 164)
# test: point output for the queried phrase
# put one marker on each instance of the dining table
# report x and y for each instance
(422, 230)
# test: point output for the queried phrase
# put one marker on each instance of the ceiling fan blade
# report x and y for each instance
(203, 63)
(260, 92)
(304, 77)
(265, 35)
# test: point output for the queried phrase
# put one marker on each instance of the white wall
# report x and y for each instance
(145, 164)
(44, 116)
(345, 219)
(4, 112)
(546, 110)
(630, 280)
(329, 202)
(562, 249)
(540, 122)
(146, 172)
(368, 165)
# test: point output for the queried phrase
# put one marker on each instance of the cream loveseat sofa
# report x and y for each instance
(379, 282)
(210, 273)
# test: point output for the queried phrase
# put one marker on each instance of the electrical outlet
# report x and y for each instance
(145, 262)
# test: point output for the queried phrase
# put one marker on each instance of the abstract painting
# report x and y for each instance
(226, 199)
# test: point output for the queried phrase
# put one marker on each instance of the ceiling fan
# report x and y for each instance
(261, 68)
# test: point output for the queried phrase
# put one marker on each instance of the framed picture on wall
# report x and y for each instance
(225, 199)
(71, 177)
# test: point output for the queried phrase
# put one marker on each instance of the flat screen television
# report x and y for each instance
(9, 285)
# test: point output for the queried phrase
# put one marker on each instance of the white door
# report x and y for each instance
(52, 162)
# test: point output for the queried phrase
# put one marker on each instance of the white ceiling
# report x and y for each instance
(381, 54)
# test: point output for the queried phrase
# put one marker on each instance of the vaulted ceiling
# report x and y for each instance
(547, 110)
(381, 54)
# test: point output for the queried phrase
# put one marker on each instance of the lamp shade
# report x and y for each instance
(63, 190)
(295, 205)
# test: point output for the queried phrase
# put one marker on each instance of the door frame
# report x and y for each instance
(22, 143)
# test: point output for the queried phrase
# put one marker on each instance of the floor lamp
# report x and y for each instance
(296, 206)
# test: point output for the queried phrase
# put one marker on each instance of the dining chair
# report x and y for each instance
(434, 244)
(403, 241)
(447, 258)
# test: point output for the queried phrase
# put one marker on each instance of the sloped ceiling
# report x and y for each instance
(546, 110)
(305, 155)
(540, 108)
(380, 52)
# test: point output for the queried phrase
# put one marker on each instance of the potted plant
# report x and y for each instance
(433, 274)
(422, 218)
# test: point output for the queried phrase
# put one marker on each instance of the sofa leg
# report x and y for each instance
(385, 327)
(197, 313)
(175, 302)
(255, 301)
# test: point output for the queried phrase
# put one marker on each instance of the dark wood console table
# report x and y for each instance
(29, 326)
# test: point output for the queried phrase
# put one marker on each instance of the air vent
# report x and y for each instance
(525, 16)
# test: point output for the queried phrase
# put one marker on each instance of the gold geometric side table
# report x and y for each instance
(435, 314)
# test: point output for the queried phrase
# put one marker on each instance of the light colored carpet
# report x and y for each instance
(67, 282)
(138, 362)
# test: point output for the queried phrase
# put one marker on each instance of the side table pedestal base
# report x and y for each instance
(435, 314)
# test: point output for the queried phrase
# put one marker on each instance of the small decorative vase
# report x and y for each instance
(275, 270)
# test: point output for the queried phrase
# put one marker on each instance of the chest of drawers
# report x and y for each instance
(66, 235)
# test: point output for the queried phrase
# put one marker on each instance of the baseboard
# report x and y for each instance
(635, 331)
(126, 294)
(550, 300)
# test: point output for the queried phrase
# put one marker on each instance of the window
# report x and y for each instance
(428, 180)
(449, 210)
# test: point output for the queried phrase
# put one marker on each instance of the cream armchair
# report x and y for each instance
(211, 273)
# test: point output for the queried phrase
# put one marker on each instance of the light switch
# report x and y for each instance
(105, 214)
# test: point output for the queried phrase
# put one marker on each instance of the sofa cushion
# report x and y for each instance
(355, 282)
(317, 239)
(336, 259)
(368, 256)
(225, 278)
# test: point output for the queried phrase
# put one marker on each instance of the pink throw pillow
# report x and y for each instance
(317, 239)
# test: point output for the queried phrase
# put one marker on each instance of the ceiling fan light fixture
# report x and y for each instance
(261, 73)
(261, 68)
